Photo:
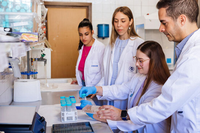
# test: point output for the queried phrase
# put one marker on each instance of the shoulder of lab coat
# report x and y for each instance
(121, 92)
(153, 91)
(132, 45)
(96, 52)
(181, 89)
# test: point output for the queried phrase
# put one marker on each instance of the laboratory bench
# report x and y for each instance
(49, 107)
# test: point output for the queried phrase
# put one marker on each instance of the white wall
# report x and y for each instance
(102, 10)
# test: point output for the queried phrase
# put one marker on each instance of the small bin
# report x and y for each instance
(103, 30)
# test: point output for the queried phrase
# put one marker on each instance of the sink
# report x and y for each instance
(58, 87)
(56, 80)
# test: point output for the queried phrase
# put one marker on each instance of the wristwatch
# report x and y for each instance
(124, 114)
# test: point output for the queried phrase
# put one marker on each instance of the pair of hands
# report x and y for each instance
(106, 112)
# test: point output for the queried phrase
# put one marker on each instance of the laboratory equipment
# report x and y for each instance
(103, 31)
(41, 66)
(73, 101)
(6, 37)
(63, 110)
(27, 90)
(80, 127)
(15, 67)
(83, 96)
(68, 109)
(25, 120)
(62, 97)
(35, 68)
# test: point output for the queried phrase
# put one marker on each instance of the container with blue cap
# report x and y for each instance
(84, 96)
(63, 110)
(62, 97)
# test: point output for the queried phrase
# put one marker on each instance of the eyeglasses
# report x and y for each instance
(140, 60)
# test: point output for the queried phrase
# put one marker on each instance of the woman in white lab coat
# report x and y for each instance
(118, 63)
(89, 63)
(142, 88)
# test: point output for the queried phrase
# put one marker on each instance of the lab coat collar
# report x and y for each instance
(190, 43)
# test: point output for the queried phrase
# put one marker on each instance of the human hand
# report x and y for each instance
(109, 112)
(87, 91)
(99, 119)
(74, 82)
(84, 103)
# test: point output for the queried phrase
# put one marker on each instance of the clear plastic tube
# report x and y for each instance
(83, 96)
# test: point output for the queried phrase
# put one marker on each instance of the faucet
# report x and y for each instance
(42, 59)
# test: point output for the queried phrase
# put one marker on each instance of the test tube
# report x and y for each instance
(83, 96)
(71, 97)
(63, 110)
(62, 97)
(73, 101)
(68, 107)
(67, 99)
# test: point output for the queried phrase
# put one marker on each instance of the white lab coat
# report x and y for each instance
(129, 90)
(93, 65)
(180, 94)
(126, 66)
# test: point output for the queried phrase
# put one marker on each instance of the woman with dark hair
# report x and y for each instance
(143, 87)
(89, 63)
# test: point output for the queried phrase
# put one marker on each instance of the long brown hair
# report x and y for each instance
(131, 32)
(158, 69)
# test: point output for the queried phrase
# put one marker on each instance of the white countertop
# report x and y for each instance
(51, 113)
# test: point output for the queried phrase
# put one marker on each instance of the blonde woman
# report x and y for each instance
(118, 62)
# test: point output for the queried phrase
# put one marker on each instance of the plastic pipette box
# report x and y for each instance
(81, 127)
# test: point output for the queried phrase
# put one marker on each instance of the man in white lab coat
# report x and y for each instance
(180, 95)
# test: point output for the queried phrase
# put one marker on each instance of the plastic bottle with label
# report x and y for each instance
(73, 101)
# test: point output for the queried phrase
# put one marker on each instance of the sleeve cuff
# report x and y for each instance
(112, 124)
(133, 116)
(106, 93)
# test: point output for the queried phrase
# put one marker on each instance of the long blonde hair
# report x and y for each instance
(131, 32)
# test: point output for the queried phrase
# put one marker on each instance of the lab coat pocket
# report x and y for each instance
(94, 67)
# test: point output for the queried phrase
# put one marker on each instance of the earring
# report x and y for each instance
(129, 27)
